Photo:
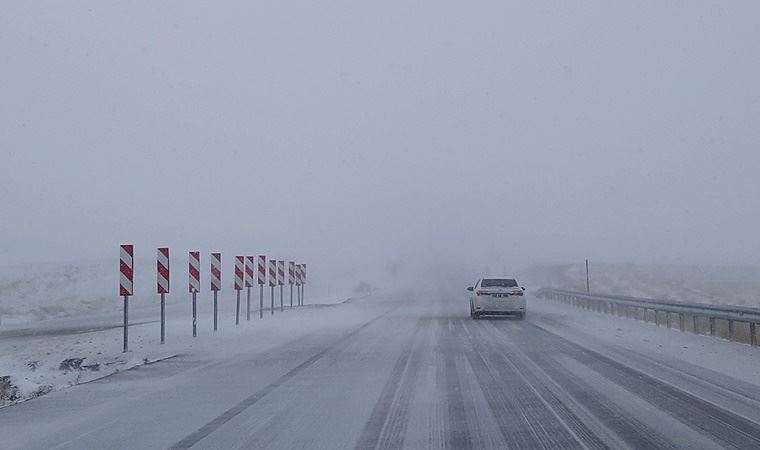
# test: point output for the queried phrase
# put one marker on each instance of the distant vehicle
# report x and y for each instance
(497, 296)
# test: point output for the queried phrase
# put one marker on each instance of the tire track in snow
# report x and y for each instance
(610, 414)
(523, 418)
(228, 415)
(387, 423)
(457, 432)
(687, 376)
(710, 419)
(538, 382)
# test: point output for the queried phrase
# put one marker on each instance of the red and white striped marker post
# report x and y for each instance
(272, 278)
(261, 279)
(298, 283)
(162, 285)
(239, 276)
(281, 281)
(300, 280)
(291, 279)
(249, 262)
(216, 281)
(303, 281)
(126, 284)
(194, 269)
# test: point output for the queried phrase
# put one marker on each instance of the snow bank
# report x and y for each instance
(597, 331)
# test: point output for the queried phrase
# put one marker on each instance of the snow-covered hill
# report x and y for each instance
(30, 292)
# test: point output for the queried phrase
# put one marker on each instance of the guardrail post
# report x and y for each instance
(646, 319)
(752, 334)
(667, 317)
(695, 323)
(681, 326)
(712, 326)
(731, 333)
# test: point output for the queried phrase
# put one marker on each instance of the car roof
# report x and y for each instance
(498, 278)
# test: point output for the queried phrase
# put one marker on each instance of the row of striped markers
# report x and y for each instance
(245, 272)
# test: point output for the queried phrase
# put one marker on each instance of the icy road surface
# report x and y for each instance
(414, 371)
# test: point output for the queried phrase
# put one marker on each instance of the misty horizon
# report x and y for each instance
(362, 136)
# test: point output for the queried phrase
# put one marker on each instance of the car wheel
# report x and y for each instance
(472, 311)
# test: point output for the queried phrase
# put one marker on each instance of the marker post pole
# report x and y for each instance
(162, 284)
(194, 284)
(216, 283)
(126, 324)
(126, 285)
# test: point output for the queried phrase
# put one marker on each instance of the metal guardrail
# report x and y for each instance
(640, 308)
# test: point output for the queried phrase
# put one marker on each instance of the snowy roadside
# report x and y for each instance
(595, 330)
(31, 293)
(721, 285)
(51, 355)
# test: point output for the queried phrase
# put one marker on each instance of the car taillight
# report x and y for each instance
(518, 293)
(482, 293)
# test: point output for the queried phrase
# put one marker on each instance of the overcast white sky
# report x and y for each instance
(491, 132)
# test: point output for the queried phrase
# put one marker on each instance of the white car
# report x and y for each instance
(497, 296)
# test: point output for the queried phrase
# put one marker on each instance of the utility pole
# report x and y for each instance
(588, 283)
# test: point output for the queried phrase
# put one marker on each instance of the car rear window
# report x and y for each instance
(499, 282)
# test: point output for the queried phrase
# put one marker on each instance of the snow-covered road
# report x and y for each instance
(414, 371)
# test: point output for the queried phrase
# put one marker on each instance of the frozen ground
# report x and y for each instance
(739, 285)
(41, 356)
(409, 370)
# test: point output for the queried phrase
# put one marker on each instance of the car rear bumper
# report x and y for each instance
(500, 313)
(500, 306)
